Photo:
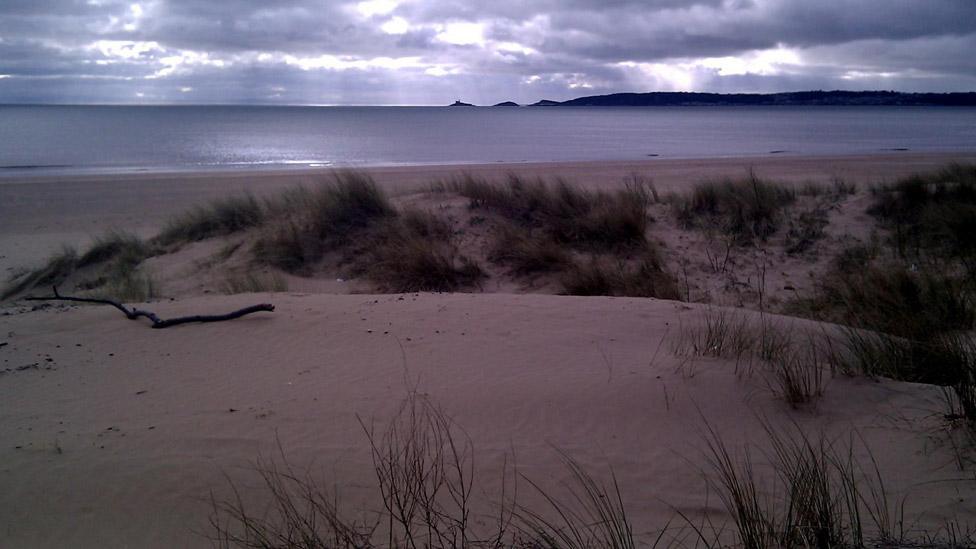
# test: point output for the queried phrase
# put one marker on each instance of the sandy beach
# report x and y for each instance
(113, 434)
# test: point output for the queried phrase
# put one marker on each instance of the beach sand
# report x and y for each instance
(121, 432)
(113, 434)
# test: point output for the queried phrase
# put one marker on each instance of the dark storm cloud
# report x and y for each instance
(432, 52)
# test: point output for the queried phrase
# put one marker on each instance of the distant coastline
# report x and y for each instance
(794, 99)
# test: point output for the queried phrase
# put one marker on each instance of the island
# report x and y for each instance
(506, 104)
(459, 103)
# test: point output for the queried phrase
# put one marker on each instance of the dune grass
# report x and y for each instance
(221, 217)
(115, 258)
(931, 214)
(591, 515)
(590, 242)
(797, 374)
(351, 218)
(325, 220)
(411, 250)
(895, 300)
(805, 229)
(527, 252)
(55, 271)
(593, 242)
(910, 326)
(414, 251)
(796, 364)
(748, 209)
(397, 251)
(123, 247)
(642, 277)
(289, 247)
(109, 265)
(127, 287)
(822, 495)
(908, 299)
(721, 334)
(423, 465)
(803, 490)
(566, 214)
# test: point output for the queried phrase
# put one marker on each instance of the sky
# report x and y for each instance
(432, 52)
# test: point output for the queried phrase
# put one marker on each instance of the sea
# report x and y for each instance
(81, 139)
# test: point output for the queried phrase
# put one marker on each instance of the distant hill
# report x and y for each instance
(506, 104)
(803, 98)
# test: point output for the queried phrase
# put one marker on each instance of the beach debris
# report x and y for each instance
(133, 313)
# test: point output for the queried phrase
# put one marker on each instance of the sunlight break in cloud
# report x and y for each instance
(462, 33)
(376, 7)
(395, 25)
(765, 62)
(660, 76)
(690, 74)
(332, 62)
(125, 49)
(182, 63)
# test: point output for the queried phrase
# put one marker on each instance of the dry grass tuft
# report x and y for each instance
(566, 214)
(589, 516)
(594, 242)
(57, 269)
(414, 253)
(641, 277)
(301, 514)
(526, 252)
(313, 223)
(398, 252)
(721, 334)
(822, 495)
(905, 325)
(110, 267)
(123, 247)
(805, 491)
(748, 209)
(796, 372)
(931, 214)
(220, 217)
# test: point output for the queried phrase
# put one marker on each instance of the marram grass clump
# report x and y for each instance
(220, 217)
(748, 209)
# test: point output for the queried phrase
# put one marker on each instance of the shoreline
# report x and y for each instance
(43, 173)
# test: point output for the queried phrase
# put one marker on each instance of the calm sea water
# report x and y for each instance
(85, 138)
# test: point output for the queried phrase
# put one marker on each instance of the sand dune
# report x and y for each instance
(120, 432)
(113, 434)
(39, 214)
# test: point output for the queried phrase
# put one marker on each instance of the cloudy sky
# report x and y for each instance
(430, 52)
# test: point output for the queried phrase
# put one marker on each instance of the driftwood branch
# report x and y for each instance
(133, 313)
